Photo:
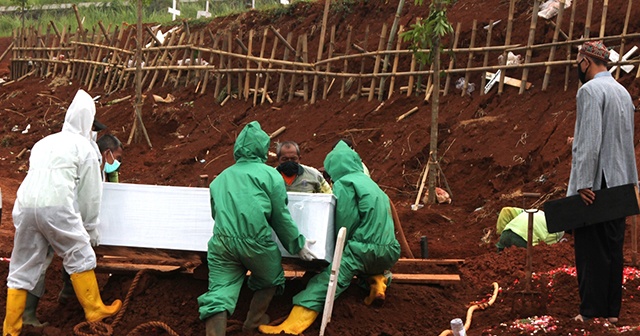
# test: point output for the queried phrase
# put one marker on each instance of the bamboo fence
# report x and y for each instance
(264, 66)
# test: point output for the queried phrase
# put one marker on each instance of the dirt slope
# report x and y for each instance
(494, 147)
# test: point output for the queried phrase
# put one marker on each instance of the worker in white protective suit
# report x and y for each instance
(57, 205)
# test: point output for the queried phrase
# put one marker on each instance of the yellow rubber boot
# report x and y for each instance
(88, 293)
(378, 286)
(298, 321)
(16, 301)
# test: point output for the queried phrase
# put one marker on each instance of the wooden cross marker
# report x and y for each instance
(174, 10)
(204, 13)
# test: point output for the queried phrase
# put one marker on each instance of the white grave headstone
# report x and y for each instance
(204, 13)
(174, 10)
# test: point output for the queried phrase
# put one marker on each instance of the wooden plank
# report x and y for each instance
(422, 262)
(439, 279)
(128, 267)
(509, 81)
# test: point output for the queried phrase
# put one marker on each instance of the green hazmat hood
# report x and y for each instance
(341, 161)
(252, 144)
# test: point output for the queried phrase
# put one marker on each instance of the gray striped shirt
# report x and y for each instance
(603, 137)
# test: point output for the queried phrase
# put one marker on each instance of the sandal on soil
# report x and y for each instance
(581, 318)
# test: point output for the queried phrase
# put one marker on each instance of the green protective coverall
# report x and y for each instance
(363, 208)
(513, 225)
(248, 200)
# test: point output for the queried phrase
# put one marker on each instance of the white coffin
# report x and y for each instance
(179, 218)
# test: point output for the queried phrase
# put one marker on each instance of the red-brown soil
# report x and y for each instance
(494, 147)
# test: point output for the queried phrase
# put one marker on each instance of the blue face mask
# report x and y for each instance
(111, 167)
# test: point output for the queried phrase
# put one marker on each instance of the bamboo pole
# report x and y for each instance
(574, 4)
(345, 64)
(587, 22)
(293, 77)
(470, 60)
(284, 58)
(205, 81)
(530, 42)
(383, 37)
(257, 85)
(138, 79)
(624, 32)
(185, 53)
(221, 65)
(396, 60)
(163, 59)
(447, 80)
(88, 68)
(323, 33)
(6, 51)
(44, 69)
(240, 77)
(115, 78)
(274, 49)
(114, 40)
(603, 21)
(392, 35)
(94, 69)
(230, 46)
(552, 53)
(507, 40)
(246, 77)
(197, 40)
(129, 57)
(305, 59)
(485, 61)
(364, 45)
(332, 37)
(105, 33)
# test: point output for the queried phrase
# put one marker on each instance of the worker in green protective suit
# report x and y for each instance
(513, 225)
(248, 201)
(370, 248)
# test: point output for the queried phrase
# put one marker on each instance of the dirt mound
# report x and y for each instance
(493, 146)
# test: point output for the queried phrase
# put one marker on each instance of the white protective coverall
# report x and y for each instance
(58, 202)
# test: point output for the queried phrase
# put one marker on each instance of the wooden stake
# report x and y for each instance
(323, 33)
(285, 57)
(447, 81)
(221, 65)
(325, 90)
(257, 85)
(574, 4)
(424, 179)
(163, 59)
(345, 64)
(406, 114)
(292, 85)
(364, 45)
(552, 52)
(277, 132)
(532, 34)
(247, 79)
(230, 46)
(305, 59)
(396, 60)
(512, 5)
(267, 76)
(624, 32)
(603, 21)
(587, 22)
(485, 62)
(470, 60)
(376, 67)
(185, 55)
(216, 42)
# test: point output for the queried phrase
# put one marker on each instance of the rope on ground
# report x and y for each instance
(481, 306)
(104, 329)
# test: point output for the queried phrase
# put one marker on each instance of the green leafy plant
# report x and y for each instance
(425, 32)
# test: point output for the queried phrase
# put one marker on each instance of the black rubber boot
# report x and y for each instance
(29, 315)
(217, 324)
(66, 293)
(259, 304)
